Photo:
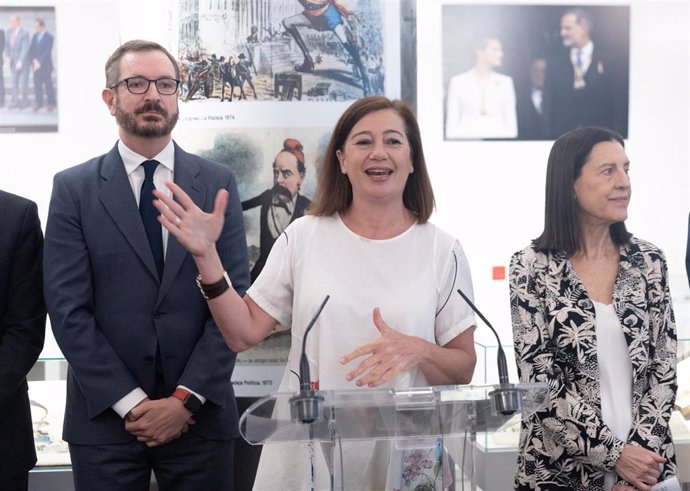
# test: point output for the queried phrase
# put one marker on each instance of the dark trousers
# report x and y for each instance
(16, 483)
(43, 82)
(187, 463)
(246, 456)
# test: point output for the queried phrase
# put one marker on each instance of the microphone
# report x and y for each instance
(505, 399)
(305, 406)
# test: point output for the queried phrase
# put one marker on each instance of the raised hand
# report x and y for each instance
(196, 230)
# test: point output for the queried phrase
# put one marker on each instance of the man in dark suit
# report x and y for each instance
(282, 204)
(17, 50)
(41, 56)
(148, 386)
(22, 330)
(578, 90)
(530, 107)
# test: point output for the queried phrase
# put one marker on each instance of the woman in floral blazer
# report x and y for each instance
(585, 256)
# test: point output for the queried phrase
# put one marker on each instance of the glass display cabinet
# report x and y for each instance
(494, 457)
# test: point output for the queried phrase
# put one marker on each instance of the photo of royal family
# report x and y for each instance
(28, 92)
(534, 72)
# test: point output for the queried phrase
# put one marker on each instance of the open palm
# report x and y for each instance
(195, 229)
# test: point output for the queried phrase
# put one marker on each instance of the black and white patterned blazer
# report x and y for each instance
(566, 446)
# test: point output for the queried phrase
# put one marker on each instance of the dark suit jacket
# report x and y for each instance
(42, 50)
(531, 125)
(567, 108)
(266, 240)
(109, 310)
(22, 327)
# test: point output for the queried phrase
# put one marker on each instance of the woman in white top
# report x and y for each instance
(393, 318)
(480, 103)
(592, 317)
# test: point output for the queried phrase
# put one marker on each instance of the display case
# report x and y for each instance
(47, 397)
(496, 454)
(496, 451)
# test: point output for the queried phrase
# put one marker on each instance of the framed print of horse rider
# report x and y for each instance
(284, 50)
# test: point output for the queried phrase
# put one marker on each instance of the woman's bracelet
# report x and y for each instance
(212, 290)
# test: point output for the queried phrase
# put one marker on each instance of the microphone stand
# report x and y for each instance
(305, 406)
(505, 399)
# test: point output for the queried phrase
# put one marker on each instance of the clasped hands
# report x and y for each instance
(388, 355)
(639, 467)
(160, 421)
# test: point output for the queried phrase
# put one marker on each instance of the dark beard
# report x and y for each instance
(129, 123)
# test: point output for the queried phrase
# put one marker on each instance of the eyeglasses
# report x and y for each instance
(140, 85)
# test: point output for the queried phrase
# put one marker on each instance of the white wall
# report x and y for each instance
(490, 195)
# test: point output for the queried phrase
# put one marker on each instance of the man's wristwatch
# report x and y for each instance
(191, 402)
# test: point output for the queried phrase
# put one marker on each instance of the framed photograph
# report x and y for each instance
(533, 72)
(28, 70)
(286, 50)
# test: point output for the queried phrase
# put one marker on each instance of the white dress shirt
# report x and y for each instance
(585, 56)
(135, 173)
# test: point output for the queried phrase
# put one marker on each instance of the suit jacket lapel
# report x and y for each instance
(186, 172)
(118, 199)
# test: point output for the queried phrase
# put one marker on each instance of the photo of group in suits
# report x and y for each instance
(28, 70)
(533, 72)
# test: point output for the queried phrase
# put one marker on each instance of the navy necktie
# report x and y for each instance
(149, 215)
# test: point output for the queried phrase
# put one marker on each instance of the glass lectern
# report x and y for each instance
(452, 412)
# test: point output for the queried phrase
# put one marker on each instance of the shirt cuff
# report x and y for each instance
(201, 398)
(129, 402)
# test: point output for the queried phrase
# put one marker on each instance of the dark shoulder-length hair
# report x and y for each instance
(333, 189)
(568, 155)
